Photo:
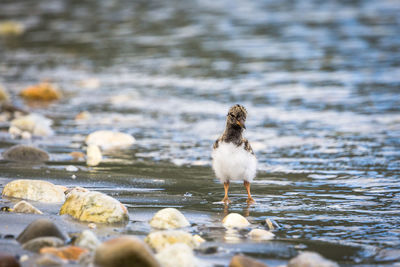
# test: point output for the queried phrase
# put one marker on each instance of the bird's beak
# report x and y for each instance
(241, 123)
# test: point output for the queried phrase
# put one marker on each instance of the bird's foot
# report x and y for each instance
(226, 200)
(250, 200)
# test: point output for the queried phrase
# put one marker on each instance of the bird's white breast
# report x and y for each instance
(232, 162)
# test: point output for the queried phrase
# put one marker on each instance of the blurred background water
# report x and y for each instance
(320, 80)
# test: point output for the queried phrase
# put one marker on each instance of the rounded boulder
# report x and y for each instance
(169, 218)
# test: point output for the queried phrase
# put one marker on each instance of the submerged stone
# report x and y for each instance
(243, 261)
(93, 155)
(178, 255)
(261, 234)
(92, 206)
(169, 218)
(110, 139)
(311, 259)
(33, 123)
(125, 251)
(25, 207)
(235, 220)
(38, 243)
(162, 239)
(40, 228)
(35, 190)
(25, 153)
(70, 253)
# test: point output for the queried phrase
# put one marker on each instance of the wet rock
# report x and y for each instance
(76, 155)
(70, 253)
(235, 220)
(41, 92)
(93, 155)
(162, 239)
(87, 239)
(33, 123)
(49, 260)
(38, 243)
(123, 251)
(25, 207)
(169, 218)
(40, 228)
(35, 190)
(271, 224)
(25, 153)
(243, 261)
(8, 260)
(178, 255)
(71, 168)
(92, 206)
(84, 115)
(4, 96)
(310, 259)
(110, 139)
(11, 28)
(261, 234)
(386, 255)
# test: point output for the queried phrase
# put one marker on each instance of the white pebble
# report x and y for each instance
(235, 220)
(261, 234)
(93, 155)
(72, 168)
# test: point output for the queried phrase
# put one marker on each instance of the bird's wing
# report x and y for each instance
(247, 146)
(216, 143)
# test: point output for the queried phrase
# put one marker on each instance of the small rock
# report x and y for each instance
(76, 155)
(35, 190)
(310, 259)
(73, 176)
(169, 218)
(40, 228)
(8, 260)
(4, 96)
(66, 253)
(92, 225)
(125, 251)
(271, 224)
(41, 92)
(235, 220)
(36, 244)
(87, 239)
(92, 206)
(261, 234)
(25, 207)
(24, 258)
(33, 123)
(11, 28)
(25, 153)
(26, 135)
(93, 155)
(162, 239)
(90, 83)
(199, 239)
(110, 139)
(49, 260)
(71, 168)
(84, 115)
(243, 261)
(178, 255)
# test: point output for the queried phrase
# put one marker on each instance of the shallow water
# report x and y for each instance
(320, 81)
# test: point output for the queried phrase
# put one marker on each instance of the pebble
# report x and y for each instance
(25, 153)
(49, 260)
(92, 206)
(93, 155)
(25, 207)
(35, 190)
(70, 253)
(169, 218)
(40, 228)
(4, 95)
(77, 155)
(178, 255)
(110, 139)
(71, 168)
(8, 260)
(87, 239)
(235, 220)
(261, 234)
(125, 251)
(36, 244)
(84, 115)
(244, 261)
(311, 259)
(92, 225)
(162, 239)
(35, 124)
(11, 28)
(44, 91)
(271, 224)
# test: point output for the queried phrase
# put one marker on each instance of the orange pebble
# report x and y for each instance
(66, 253)
(43, 91)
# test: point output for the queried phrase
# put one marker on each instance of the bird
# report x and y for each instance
(232, 155)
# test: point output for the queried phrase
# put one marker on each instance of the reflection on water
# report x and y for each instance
(320, 81)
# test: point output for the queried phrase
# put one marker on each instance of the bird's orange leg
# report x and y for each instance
(250, 200)
(226, 199)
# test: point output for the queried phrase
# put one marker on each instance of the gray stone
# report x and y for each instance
(26, 154)
(36, 244)
(40, 228)
(310, 259)
(25, 207)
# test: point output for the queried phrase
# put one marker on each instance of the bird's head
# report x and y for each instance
(237, 116)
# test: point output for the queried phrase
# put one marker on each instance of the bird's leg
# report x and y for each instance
(226, 187)
(250, 200)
